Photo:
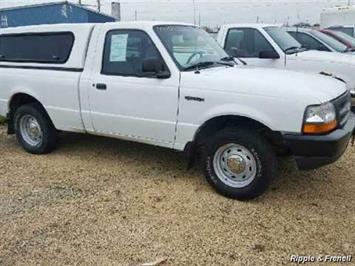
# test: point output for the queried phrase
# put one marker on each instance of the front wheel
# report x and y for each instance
(239, 163)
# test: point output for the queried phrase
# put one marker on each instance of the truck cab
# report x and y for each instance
(171, 85)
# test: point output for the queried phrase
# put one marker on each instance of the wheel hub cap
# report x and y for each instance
(33, 129)
(30, 130)
(235, 165)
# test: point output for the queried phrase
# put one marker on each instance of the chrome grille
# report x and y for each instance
(342, 106)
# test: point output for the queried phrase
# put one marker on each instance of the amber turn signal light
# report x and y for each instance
(310, 128)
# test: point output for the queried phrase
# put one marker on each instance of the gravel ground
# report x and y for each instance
(109, 202)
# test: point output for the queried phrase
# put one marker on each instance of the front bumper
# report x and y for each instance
(311, 152)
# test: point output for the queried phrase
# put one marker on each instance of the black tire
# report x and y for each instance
(264, 158)
(49, 133)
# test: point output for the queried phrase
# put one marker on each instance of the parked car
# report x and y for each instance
(341, 37)
(170, 85)
(339, 18)
(348, 30)
(273, 47)
(313, 39)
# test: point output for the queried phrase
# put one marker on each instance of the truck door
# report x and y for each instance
(126, 101)
(251, 46)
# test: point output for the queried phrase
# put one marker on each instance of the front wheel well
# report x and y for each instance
(16, 101)
(214, 125)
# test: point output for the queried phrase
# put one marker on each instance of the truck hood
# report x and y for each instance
(325, 56)
(281, 84)
(336, 64)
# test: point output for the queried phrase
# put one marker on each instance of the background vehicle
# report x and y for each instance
(313, 39)
(340, 18)
(271, 46)
(170, 85)
(341, 37)
(348, 30)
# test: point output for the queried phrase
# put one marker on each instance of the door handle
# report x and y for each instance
(101, 86)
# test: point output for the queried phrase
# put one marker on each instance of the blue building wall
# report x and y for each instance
(50, 14)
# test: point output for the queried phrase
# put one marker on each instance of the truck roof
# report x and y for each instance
(78, 26)
(149, 23)
(47, 28)
(296, 29)
(251, 25)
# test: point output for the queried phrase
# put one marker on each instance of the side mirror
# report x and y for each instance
(155, 66)
(268, 55)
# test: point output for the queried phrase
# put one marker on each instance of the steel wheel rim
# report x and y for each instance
(235, 165)
(30, 130)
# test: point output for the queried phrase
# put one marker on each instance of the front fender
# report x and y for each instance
(276, 114)
(240, 111)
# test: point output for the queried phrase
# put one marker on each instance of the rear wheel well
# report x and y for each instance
(16, 101)
(214, 125)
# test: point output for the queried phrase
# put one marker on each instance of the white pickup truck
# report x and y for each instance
(271, 46)
(170, 85)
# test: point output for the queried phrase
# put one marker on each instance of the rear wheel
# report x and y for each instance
(239, 163)
(34, 130)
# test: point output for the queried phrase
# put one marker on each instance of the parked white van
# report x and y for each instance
(271, 46)
(170, 85)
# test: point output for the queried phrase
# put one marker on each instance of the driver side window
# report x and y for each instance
(246, 43)
(125, 51)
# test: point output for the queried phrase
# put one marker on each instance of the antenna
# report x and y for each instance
(194, 6)
(99, 5)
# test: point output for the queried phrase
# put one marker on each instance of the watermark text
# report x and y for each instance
(320, 258)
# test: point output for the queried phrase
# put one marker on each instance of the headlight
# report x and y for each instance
(320, 119)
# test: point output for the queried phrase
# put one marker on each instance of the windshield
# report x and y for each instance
(190, 46)
(346, 37)
(283, 39)
(336, 45)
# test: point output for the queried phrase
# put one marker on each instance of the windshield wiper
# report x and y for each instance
(296, 49)
(206, 64)
(231, 59)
